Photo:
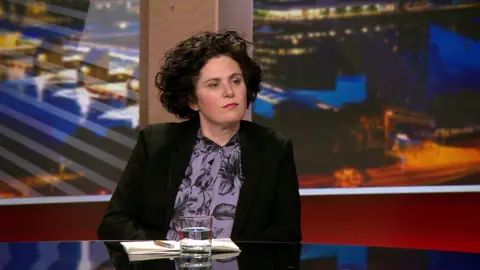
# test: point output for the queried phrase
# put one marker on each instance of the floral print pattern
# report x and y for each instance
(211, 186)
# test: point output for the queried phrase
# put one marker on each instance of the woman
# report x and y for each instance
(214, 163)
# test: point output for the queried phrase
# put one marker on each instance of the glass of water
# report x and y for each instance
(196, 234)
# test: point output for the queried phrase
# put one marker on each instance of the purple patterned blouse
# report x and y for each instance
(211, 186)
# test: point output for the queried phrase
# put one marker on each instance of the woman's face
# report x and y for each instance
(221, 92)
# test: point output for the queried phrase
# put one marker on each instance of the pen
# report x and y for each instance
(163, 244)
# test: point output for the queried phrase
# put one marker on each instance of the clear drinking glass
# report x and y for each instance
(196, 234)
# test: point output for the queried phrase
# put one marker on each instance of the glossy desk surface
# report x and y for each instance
(96, 255)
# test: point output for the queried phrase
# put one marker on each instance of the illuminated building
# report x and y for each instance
(131, 6)
(285, 2)
(108, 75)
(133, 82)
(320, 10)
(95, 67)
(73, 59)
(35, 8)
(295, 56)
(22, 11)
(285, 58)
(133, 86)
(299, 48)
(48, 56)
(9, 39)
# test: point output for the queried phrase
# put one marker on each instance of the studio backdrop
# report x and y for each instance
(378, 96)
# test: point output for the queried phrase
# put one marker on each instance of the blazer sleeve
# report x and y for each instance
(286, 223)
(118, 222)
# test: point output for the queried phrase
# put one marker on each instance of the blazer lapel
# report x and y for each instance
(251, 167)
(178, 164)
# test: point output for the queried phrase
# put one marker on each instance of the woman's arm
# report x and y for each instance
(286, 223)
(119, 220)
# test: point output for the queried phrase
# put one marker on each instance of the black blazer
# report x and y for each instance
(268, 207)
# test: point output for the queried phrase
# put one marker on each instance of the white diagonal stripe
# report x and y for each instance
(18, 185)
(62, 136)
(95, 177)
(96, 128)
(35, 170)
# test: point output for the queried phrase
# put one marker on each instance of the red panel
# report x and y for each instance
(435, 221)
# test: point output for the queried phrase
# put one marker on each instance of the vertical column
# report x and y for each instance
(164, 23)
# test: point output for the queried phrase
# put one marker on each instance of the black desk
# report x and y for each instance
(95, 255)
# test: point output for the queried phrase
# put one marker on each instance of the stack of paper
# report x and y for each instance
(142, 250)
(156, 256)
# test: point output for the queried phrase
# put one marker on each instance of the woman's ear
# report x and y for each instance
(193, 102)
(193, 106)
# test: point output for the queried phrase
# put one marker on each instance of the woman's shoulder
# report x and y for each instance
(161, 134)
(266, 135)
(153, 130)
(162, 129)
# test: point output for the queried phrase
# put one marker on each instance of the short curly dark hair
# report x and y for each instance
(179, 73)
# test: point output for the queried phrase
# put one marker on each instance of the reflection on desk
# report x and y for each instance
(110, 255)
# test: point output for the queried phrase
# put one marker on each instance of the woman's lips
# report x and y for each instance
(230, 105)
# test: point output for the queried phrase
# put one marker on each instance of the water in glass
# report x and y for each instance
(196, 235)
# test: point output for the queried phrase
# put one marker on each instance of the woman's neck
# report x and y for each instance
(221, 135)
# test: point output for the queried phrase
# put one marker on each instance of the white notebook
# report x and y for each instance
(149, 247)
